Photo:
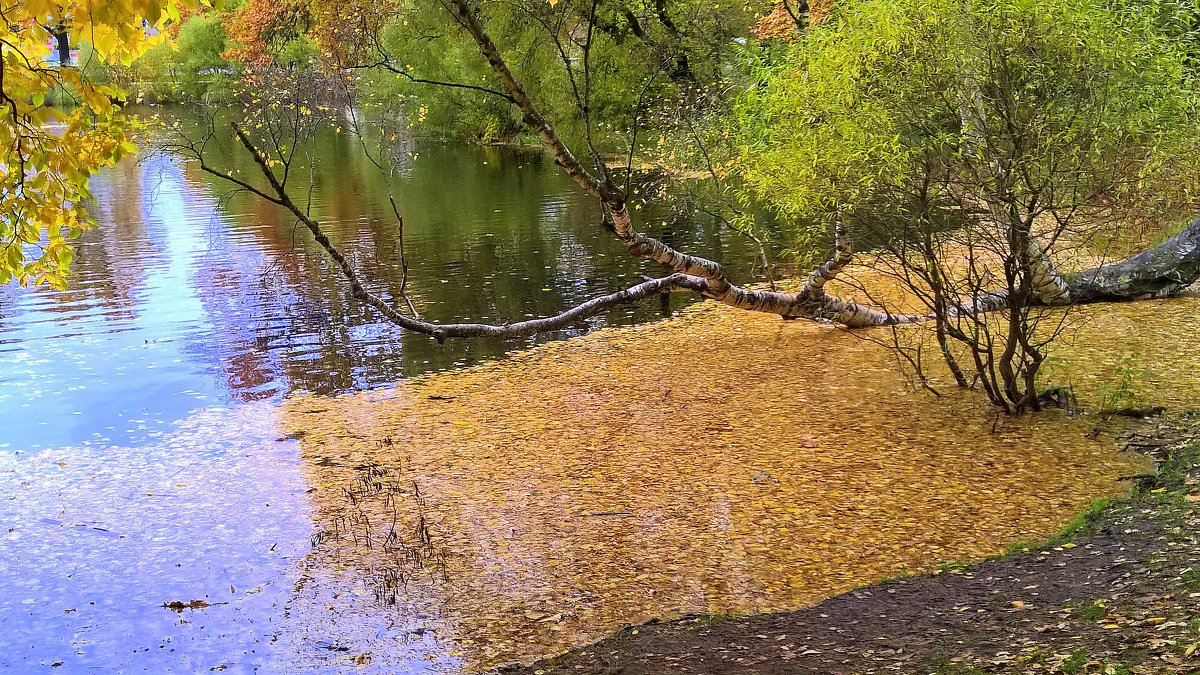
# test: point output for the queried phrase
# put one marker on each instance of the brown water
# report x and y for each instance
(146, 456)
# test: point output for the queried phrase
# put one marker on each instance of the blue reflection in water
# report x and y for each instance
(107, 360)
(176, 304)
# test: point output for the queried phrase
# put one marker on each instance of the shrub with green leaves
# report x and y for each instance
(1081, 97)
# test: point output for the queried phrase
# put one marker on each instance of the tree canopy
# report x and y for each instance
(1078, 98)
(50, 151)
(981, 144)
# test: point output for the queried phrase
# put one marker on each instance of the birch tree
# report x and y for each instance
(984, 144)
(1010, 114)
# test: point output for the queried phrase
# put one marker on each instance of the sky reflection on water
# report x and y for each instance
(176, 305)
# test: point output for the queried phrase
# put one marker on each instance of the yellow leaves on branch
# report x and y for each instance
(722, 461)
(50, 152)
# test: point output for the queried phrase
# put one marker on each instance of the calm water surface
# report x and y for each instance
(140, 460)
(187, 296)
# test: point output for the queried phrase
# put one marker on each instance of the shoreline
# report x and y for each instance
(718, 462)
(1117, 591)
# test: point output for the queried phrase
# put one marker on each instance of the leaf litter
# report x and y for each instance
(717, 462)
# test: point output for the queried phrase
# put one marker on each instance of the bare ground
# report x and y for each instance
(1117, 592)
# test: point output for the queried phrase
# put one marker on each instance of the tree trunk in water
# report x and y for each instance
(810, 303)
(1161, 271)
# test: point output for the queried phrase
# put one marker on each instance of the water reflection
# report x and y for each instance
(140, 464)
(468, 519)
(99, 538)
(431, 528)
(111, 358)
(176, 303)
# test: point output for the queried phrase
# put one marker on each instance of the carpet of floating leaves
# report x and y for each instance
(719, 462)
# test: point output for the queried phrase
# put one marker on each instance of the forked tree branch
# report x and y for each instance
(440, 331)
(716, 285)
(843, 255)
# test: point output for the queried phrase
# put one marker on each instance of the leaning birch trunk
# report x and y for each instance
(811, 303)
(1049, 287)
(1163, 270)
(1159, 272)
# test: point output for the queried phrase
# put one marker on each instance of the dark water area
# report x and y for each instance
(188, 295)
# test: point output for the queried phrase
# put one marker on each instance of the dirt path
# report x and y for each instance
(1118, 592)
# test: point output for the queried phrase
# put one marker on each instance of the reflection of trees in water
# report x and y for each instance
(484, 239)
(225, 284)
(282, 319)
(110, 260)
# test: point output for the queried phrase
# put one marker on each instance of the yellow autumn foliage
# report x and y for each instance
(49, 151)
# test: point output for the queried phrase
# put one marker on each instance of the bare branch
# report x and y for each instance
(440, 332)
(421, 80)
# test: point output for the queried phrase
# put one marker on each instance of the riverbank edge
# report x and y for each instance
(1117, 590)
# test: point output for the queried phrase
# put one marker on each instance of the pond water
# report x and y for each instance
(138, 452)
(166, 509)
(187, 295)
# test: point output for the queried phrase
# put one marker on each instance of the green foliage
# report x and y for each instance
(941, 665)
(1178, 20)
(437, 111)
(643, 64)
(966, 139)
(1083, 524)
(1076, 663)
(202, 72)
(1173, 471)
(1190, 579)
(1129, 378)
(874, 100)
(191, 68)
(301, 52)
(1091, 611)
(953, 567)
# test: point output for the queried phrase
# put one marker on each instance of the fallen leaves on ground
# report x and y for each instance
(718, 462)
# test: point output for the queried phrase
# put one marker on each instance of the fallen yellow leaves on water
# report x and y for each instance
(720, 461)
